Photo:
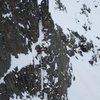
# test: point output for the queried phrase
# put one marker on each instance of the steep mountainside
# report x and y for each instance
(40, 48)
(28, 28)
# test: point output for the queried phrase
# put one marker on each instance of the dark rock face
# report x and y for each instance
(56, 57)
(4, 59)
(18, 21)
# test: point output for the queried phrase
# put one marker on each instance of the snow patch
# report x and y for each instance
(7, 15)
(87, 82)
(21, 25)
(25, 95)
(39, 1)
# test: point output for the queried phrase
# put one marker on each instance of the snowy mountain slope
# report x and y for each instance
(87, 78)
(54, 53)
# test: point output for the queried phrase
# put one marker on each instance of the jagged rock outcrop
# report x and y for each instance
(19, 30)
(19, 22)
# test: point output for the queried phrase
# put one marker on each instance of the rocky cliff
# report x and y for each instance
(20, 23)
(25, 24)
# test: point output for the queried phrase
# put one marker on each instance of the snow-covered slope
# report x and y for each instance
(87, 78)
(39, 62)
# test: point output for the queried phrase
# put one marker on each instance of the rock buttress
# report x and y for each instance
(24, 23)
